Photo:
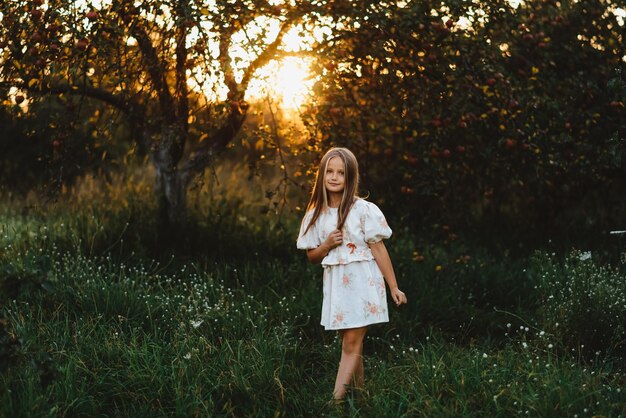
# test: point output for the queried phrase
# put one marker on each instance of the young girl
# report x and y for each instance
(344, 233)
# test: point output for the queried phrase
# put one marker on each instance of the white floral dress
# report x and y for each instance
(354, 287)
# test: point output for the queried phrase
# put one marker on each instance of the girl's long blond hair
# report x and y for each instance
(319, 196)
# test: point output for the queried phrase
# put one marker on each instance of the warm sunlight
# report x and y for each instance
(287, 81)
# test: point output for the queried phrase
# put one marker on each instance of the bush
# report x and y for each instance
(583, 303)
(513, 124)
(463, 291)
(119, 215)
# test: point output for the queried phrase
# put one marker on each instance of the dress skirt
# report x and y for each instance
(354, 295)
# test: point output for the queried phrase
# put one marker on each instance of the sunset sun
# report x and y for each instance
(287, 80)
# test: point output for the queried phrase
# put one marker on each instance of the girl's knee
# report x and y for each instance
(353, 339)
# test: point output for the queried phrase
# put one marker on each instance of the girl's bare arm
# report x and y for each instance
(384, 264)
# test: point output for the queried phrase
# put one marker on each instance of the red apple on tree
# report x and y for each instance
(510, 143)
(92, 15)
(82, 44)
(36, 14)
(335, 111)
(53, 29)
(446, 153)
(19, 99)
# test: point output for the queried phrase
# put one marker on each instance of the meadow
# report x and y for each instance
(94, 321)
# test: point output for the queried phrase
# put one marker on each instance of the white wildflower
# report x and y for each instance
(585, 256)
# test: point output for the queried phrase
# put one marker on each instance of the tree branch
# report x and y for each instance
(224, 58)
(154, 70)
(92, 92)
(268, 54)
(202, 157)
(181, 89)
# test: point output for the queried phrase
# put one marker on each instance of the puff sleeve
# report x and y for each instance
(310, 239)
(374, 224)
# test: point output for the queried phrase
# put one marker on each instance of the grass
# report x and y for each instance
(91, 324)
(203, 341)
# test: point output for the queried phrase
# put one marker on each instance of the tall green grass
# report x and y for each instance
(132, 340)
(94, 321)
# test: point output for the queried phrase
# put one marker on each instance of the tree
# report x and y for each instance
(481, 113)
(140, 60)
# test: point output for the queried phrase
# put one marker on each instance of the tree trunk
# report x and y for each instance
(170, 184)
(172, 193)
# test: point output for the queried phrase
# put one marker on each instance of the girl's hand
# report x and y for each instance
(334, 239)
(398, 296)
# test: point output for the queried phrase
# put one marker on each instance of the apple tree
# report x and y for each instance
(164, 69)
(480, 113)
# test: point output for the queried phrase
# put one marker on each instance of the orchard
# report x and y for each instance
(503, 117)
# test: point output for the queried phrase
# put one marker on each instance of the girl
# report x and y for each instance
(344, 233)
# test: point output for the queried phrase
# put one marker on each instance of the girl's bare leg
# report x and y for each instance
(351, 364)
(359, 374)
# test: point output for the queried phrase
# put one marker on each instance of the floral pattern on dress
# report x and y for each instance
(373, 309)
(379, 284)
(339, 318)
(346, 281)
(382, 291)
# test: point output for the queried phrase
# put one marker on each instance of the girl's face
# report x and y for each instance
(335, 176)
